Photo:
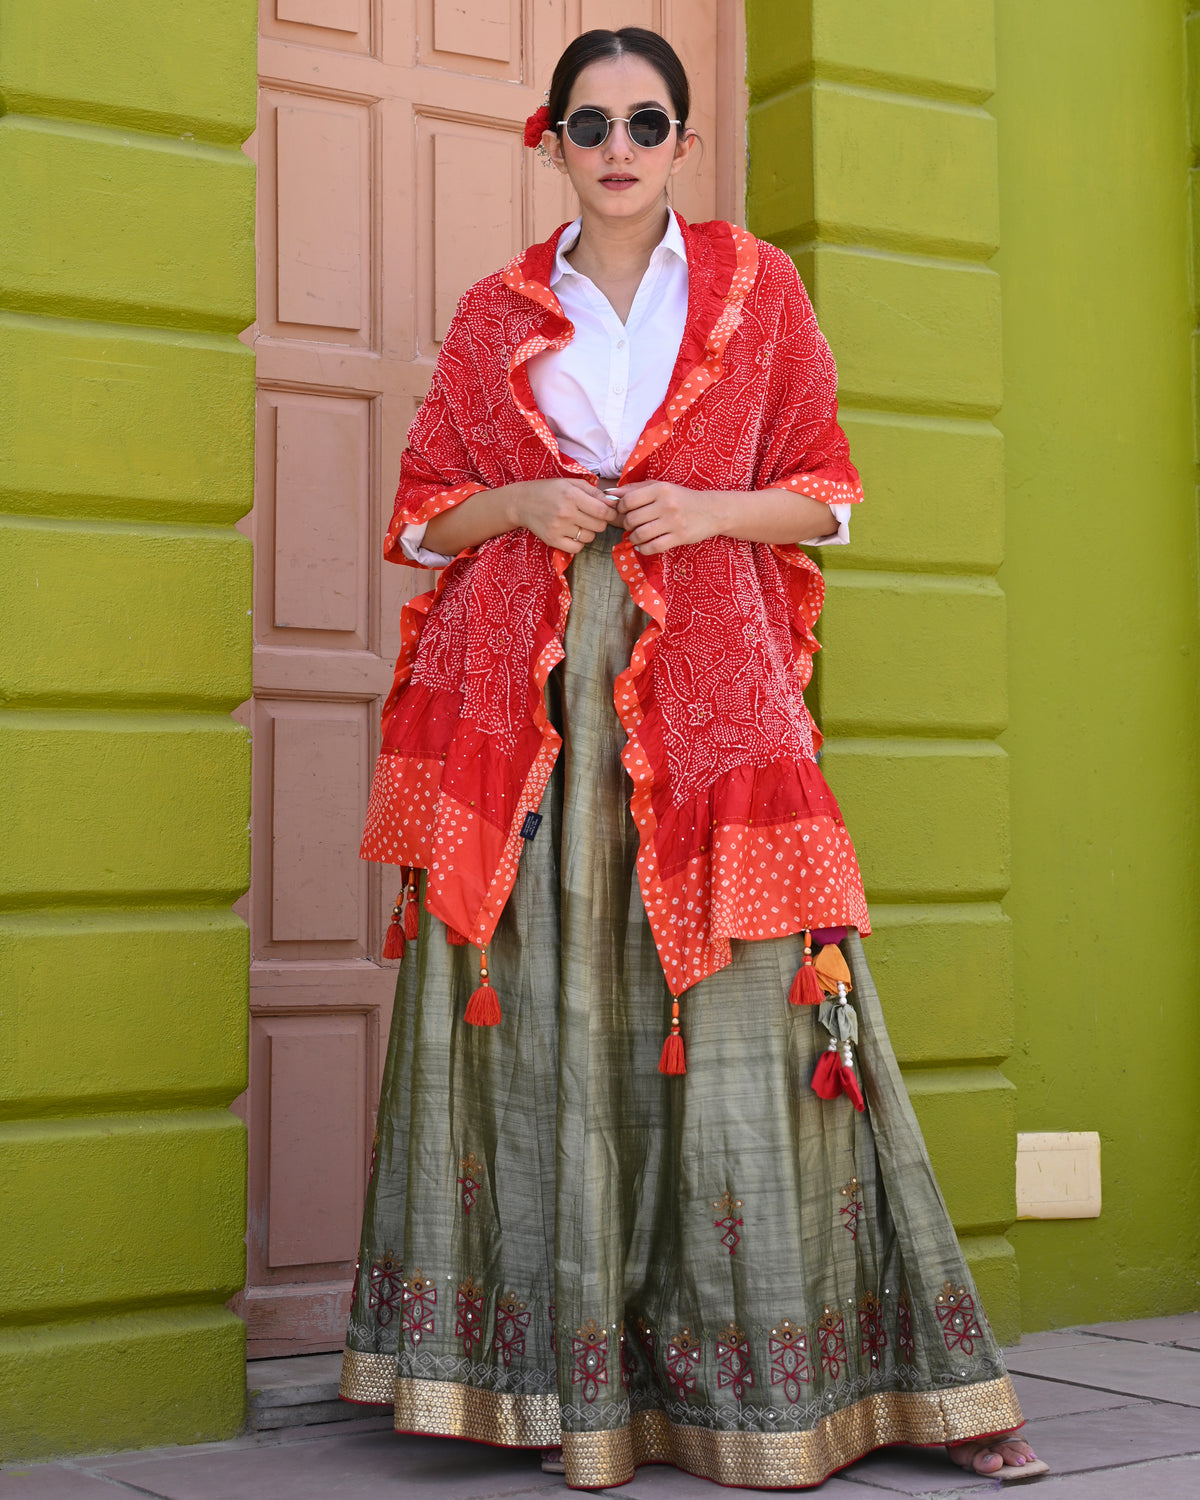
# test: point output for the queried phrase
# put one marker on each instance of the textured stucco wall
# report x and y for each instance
(1100, 574)
(126, 273)
(872, 160)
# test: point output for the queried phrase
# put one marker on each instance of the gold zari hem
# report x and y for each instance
(759, 1460)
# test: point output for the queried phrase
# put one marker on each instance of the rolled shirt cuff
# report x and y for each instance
(841, 537)
(411, 538)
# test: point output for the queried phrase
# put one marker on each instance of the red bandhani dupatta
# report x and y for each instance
(739, 835)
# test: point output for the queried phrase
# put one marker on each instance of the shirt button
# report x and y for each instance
(620, 343)
(617, 389)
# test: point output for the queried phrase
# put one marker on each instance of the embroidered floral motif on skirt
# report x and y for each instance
(760, 1340)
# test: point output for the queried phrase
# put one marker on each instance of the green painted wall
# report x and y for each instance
(1100, 573)
(873, 162)
(126, 422)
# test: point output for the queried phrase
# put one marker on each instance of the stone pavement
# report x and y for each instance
(1114, 1408)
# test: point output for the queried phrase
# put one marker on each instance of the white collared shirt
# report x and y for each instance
(599, 392)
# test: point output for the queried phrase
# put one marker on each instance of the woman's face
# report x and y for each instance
(618, 180)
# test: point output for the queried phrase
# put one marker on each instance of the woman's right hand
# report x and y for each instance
(563, 513)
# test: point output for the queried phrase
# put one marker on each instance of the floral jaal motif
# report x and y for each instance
(831, 1340)
(727, 1207)
(512, 1321)
(470, 1180)
(872, 1340)
(733, 1361)
(589, 1347)
(418, 1302)
(904, 1334)
(683, 1360)
(956, 1313)
(788, 1347)
(852, 1207)
(384, 1281)
(468, 1326)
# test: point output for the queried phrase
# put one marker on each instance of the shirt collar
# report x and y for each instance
(671, 241)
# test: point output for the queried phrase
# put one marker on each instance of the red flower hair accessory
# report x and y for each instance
(538, 121)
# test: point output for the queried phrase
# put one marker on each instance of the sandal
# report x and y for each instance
(552, 1461)
(1032, 1468)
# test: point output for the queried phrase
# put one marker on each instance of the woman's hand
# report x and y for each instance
(658, 516)
(564, 513)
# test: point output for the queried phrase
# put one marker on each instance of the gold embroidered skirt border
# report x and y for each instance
(760, 1460)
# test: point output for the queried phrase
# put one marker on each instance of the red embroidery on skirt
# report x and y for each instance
(733, 1361)
(471, 1180)
(417, 1303)
(788, 1348)
(468, 1328)
(727, 1206)
(384, 1280)
(831, 1339)
(872, 1338)
(683, 1359)
(852, 1208)
(956, 1313)
(512, 1320)
(374, 1159)
(904, 1334)
(590, 1349)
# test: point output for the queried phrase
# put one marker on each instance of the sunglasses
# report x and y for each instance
(646, 127)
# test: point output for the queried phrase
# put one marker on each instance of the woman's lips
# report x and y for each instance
(617, 184)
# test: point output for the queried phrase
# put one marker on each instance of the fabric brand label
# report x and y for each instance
(533, 821)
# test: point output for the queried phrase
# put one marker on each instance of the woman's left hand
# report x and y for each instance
(658, 516)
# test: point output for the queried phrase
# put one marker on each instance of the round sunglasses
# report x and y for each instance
(646, 127)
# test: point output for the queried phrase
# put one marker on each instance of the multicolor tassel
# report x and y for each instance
(412, 912)
(834, 1073)
(483, 1008)
(672, 1060)
(806, 987)
(831, 969)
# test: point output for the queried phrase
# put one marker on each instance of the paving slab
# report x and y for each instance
(1163, 1479)
(1182, 1331)
(1126, 1435)
(303, 1414)
(55, 1482)
(1156, 1371)
(1055, 1338)
(1041, 1399)
(361, 1466)
(301, 1378)
(912, 1471)
(662, 1482)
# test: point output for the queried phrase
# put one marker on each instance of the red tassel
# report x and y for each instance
(672, 1061)
(833, 1077)
(483, 1008)
(393, 939)
(455, 939)
(806, 987)
(412, 912)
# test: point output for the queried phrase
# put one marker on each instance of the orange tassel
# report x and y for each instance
(806, 987)
(831, 969)
(455, 939)
(483, 1008)
(412, 912)
(672, 1060)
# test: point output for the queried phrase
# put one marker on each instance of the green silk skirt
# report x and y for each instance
(560, 1244)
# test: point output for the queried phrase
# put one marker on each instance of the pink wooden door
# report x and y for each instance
(391, 175)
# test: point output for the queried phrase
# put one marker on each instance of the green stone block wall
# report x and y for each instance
(873, 162)
(1101, 578)
(126, 457)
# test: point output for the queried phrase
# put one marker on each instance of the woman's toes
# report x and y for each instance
(987, 1461)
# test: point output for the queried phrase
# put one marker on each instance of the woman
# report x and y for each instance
(598, 752)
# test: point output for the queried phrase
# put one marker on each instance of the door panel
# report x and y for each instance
(391, 175)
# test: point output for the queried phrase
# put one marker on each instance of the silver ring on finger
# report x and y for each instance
(579, 533)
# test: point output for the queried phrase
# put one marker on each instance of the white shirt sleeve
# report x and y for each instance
(410, 544)
(841, 537)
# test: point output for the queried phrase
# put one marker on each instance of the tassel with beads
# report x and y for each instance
(834, 1073)
(455, 939)
(394, 942)
(672, 1060)
(483, 1008)
(831, 969)
(806, 987)
(412, 911)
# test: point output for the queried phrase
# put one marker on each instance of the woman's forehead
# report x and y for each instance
(619, 85)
